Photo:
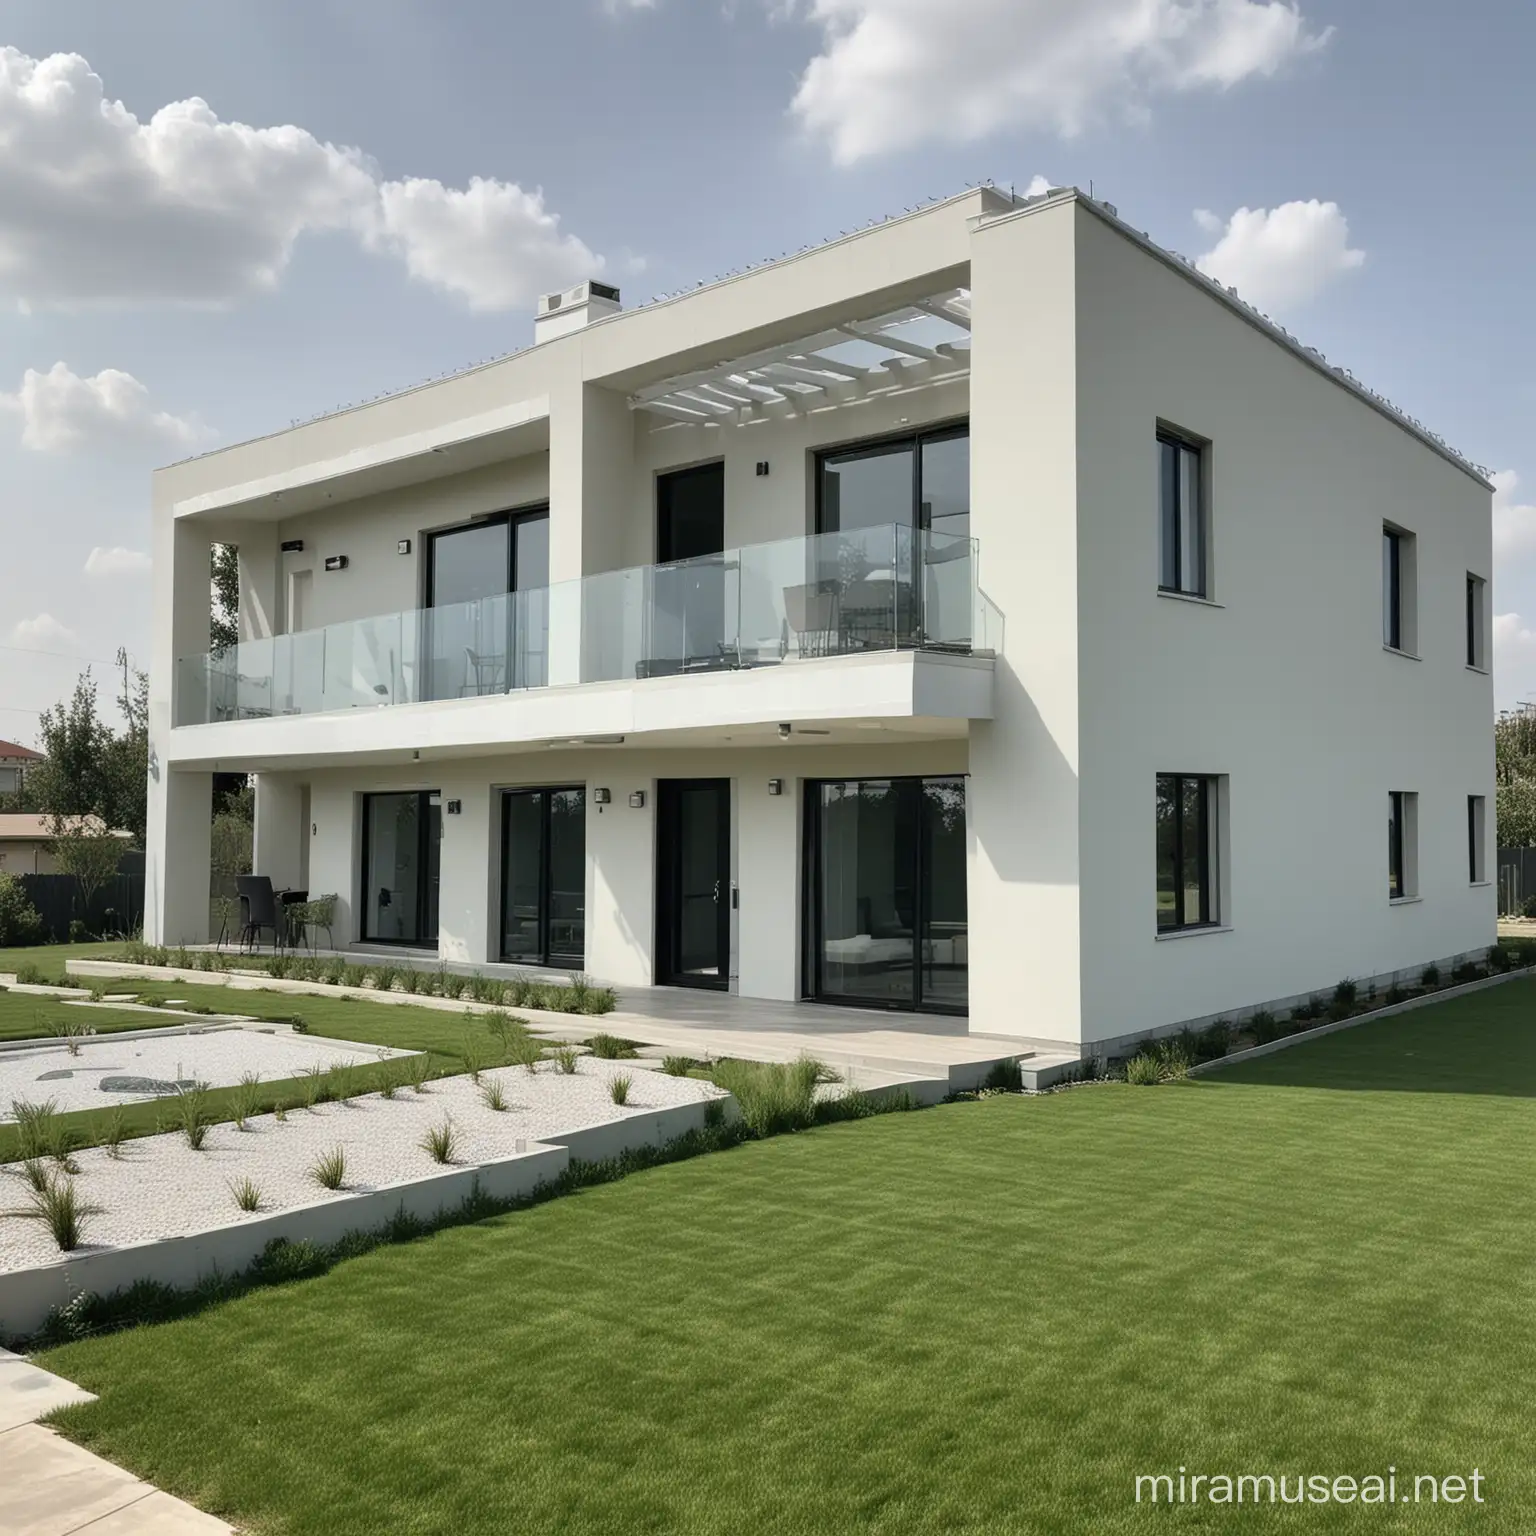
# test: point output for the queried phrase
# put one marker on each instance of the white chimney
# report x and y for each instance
(560, 313)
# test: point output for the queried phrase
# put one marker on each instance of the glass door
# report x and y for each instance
(687, 608)
(693, 883)
(544, 877)
(887, 902)
(401, 852)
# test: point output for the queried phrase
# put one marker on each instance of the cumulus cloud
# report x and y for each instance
(1280, 258)
(894, 73)
(1514, 523)
(44, 633)
(97, 207)
(59, 410)
(115, 563)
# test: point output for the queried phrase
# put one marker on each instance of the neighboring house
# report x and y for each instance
(15, 760)
(26, 842)
(982, 613)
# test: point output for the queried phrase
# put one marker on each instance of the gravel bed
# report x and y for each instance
(217, 1057)
(160, 1187)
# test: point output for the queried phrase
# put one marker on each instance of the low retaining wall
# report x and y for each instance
(28, 1295)
(1333, 1026)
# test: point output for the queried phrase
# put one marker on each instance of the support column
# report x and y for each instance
(280, 833)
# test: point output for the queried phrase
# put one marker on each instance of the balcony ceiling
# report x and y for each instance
(927, 342)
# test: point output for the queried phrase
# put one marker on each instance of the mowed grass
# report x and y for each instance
(50, 958)
(984, 1317)
(24, 1015)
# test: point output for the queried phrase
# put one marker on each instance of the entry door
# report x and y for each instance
(693, 869)
(401, 851)
(688, 583)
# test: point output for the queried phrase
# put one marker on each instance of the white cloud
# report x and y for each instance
(44, 633)
(893, 73)
(1280, 258)
(492, 244)
(116, 562)
(1514, 524)
(97, 207)
(61, 410)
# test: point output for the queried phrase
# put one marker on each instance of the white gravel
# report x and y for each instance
(161, 1188)
(218, 1057)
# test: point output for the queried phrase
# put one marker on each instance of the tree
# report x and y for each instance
(125, 765)
(224, 617)
(1514, 770)
(82, 847)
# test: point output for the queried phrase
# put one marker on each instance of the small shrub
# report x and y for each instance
(566, 1057)
(189, 1115)
(418, 1069)
(494, 1094)
(517, 992)
(773, 1096)
(452, 985)
(389, 1081)
(1213, 1042)
(1346, 993)
(283, 1259)
(280, 1111)
(1395, 995)
(1499, 959)
(440, 1142)
(384, 978)
(59, 1204)
(246, 1192)
(35, 1171)
(280, 966)
(618, 1088)
(677, 1066)
(38, 1132)
(19, 921)
(311, 1081)
(411, 979)
(1468, 970)
(473, 1058)
(335, 972)
(1003, 1077)
(329, 1170)
(1308, 1009)
(480, 988)
(115, 1132)
(1143, 1069)
(27, 973)
(341, 1081)
(1430, 976)
(247, 1096)
(611, 1047)
(714, 1114)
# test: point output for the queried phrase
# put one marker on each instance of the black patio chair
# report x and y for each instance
(258, 910)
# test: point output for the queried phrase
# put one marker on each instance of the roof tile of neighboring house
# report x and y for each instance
(26, 826)
(11, 751)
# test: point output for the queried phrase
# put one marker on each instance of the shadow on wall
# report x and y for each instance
(1482, 1043)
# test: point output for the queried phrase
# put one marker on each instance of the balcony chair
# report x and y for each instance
(258, 910)
(484, 672)
(811, 612)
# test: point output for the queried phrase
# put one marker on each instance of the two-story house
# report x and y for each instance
(982, 613)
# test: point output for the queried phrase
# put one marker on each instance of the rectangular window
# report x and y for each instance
(401, 834)
(1402, 844)
(1181, 516)
(1476, 593)
(544, 877)
(1186, 885)
(1477, 863)
(1399, 590)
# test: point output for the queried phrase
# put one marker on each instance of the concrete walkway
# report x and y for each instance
(50, 1486)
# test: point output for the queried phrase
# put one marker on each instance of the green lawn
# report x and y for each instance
(25, 1014)
(984, 1317)
(50, 958)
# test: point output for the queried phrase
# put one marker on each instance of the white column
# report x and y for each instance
(768, 842)
(280, 832)
(467, 911)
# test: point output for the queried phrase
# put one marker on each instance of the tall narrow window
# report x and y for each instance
(543, 876)
(1186, 894)
(1392, 589)
(1402, 844)
(1477, 864)
(1476, 591)
(1181, 516)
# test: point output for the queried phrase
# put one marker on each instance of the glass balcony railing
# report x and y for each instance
(891, 587)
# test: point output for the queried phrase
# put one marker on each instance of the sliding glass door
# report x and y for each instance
(544, 877)
(887, 886)
(400, 867)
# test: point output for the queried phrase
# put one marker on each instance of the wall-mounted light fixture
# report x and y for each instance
(762, 468)
(637, 799)
(402, 546)
(455, 808)
(784, 731)
(775, 786)
(602, 797)
(335, 562)
(292, 546)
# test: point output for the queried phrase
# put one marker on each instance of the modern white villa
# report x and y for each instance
(982, 614)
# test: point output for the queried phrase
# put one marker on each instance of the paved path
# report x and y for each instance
(51, 1487)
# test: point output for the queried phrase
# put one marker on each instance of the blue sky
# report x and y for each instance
(375, 190)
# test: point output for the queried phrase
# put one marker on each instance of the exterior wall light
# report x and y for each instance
(637, 799)
(775, 786)
(602, 797)
(402, 546)
(335, 562)
(454, 808)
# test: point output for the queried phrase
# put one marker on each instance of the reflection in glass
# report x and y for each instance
(544, 876)
(400, 867)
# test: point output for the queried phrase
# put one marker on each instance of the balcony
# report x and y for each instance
(854, 593)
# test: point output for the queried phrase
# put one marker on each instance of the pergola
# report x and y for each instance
(927, 342)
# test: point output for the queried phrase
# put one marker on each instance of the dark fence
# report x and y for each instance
(1517, 880)
(116, 907)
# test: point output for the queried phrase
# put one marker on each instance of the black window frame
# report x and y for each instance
(1205, 786)
(1397, 870)
(546, 792)
(1392, 588)
(811, 903)
(1476, 590)
(1170, 522)
(1477, 873)
(510, 516)
(865, 447)
(426, 899)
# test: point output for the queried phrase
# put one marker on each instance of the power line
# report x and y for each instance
(32, 650)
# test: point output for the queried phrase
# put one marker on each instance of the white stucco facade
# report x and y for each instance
(1069, 686)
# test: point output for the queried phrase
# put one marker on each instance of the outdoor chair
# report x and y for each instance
(811, 612)
(318, 913)
(484, 672)
(258, 910)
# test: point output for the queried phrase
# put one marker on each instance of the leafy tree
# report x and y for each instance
(224, 620)
(83, 848)
(1514, 759)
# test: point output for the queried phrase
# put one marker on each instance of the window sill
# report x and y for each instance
(1189, 597)
(1393, 650)
(1481, 671)
(1478, 884)
(1403, 901)
(1194, 932)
